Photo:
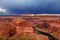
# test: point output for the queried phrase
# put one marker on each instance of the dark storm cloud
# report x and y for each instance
(31, 6)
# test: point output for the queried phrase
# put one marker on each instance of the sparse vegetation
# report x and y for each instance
(24, 38)
(18, 38)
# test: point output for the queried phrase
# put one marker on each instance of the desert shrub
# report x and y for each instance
(4, 38)
(25, 38)
(18, 38)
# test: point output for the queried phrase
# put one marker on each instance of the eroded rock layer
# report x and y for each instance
(17, 27)
(21, 26)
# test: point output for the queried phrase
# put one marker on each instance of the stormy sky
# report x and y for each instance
(29, 6)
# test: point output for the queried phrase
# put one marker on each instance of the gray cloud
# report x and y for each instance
(24, 4)
(28, 3)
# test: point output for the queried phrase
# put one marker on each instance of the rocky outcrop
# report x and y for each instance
(19, 27)
(24, 28)
(49, 24)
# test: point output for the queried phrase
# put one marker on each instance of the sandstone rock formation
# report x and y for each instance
(52, 28)
(19, 27)
(6, 29)
(24, 29)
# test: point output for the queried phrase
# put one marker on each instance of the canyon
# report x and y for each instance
(22, 26)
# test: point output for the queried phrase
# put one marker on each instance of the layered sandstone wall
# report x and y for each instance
(17, 27)
(47, 24)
